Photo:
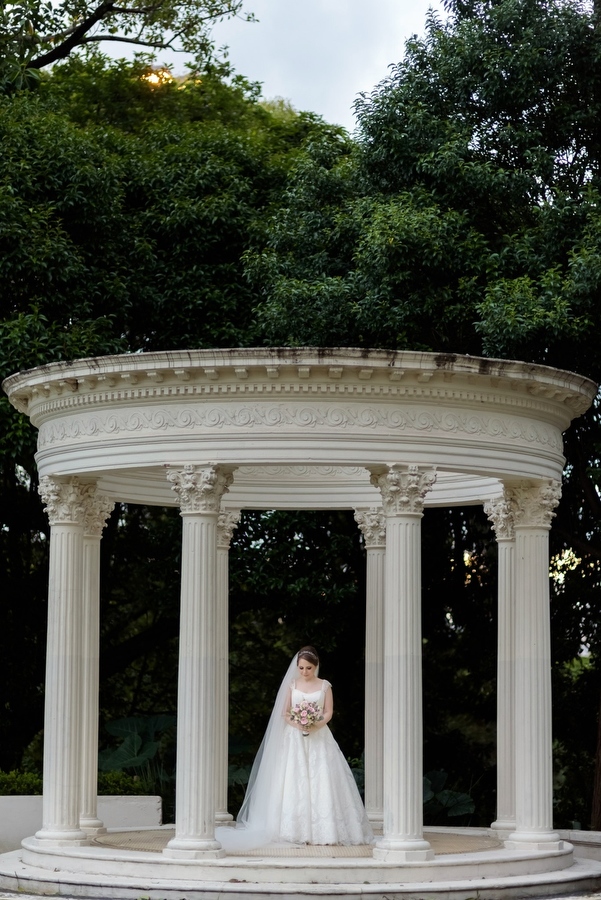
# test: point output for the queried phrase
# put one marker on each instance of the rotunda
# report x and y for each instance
(385, 434)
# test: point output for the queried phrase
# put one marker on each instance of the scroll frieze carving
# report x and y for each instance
(199, 489)
(500, 511)
(227, 522)
(534, 504)
(404, 489)
(301, 416)
(372, 523)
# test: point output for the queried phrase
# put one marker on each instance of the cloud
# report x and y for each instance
(320, 54)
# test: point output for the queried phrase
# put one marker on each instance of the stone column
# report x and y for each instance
(65, 504)
(226, 523)
(533, 506)
(199, 490)
(97, 510)
(500, 513)
(403, 490)
(372, 523)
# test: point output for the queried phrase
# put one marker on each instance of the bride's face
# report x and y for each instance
(306, 669)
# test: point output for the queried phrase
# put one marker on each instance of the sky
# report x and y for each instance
(320, 54)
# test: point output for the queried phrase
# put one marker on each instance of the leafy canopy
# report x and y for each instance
(466, 217)
(36, 33)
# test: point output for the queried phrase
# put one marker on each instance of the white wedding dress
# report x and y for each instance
(301, 789)
(318, 801)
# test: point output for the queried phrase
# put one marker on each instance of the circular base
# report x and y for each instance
(120, 873)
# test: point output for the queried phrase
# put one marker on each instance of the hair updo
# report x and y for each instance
(308, 653)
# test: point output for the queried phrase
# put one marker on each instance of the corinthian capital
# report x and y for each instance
(500, 511)
(372, 523)
(534, 503)
(199, 489)
(227, 522)
(404, 488)
(98, 508)
(64, 501)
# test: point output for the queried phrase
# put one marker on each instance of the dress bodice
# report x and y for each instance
(313, 696)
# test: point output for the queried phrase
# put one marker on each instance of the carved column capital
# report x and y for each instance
(98, 508)
(404, 488)
(500, 511)
(227, 522)
(534, 503)
(372, 523)
(199, 489)
(64, 500)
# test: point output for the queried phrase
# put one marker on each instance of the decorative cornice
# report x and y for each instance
(227, 522)
(534, 504)
(199, 489)
(372, 523)
(337, 371)
(404, 488)
(500, 512)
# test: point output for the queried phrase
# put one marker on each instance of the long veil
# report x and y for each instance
(256, 823)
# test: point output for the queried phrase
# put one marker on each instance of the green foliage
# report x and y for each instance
(290, 576)
(464, 218)
(146, 752)
(120, 784)
(467, 218)
(439, 801)
(19, 783)
(121, 93)
(125, 209)
(34, 33)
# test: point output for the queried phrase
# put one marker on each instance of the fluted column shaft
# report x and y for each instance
(533, 510)
(372, 523)
(500, 513)
(199, 490)
(97, 510)
(226, 523)
(60, 815)
(506, 688)
(403, 490)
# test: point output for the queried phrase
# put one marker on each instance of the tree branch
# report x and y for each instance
(75, 39)
(114, 37)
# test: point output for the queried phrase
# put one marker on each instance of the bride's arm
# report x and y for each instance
(328, 708)
(286, 711)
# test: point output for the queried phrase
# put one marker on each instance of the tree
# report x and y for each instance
(125, 209)
(466, 218)
(35, 34)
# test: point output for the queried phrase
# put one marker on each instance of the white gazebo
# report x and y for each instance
(382, 433)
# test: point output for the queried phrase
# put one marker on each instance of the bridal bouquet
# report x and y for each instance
(305, 714)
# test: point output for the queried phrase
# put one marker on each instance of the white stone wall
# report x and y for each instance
(21, 817)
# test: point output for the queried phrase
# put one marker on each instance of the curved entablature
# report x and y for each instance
(121, 419)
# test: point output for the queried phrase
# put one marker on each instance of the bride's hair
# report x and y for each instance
(308, 653)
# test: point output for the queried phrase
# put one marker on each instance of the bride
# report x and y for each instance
(300, 789)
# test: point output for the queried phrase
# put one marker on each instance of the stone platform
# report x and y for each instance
(128, 865)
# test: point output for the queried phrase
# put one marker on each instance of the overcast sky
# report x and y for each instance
(319, 54)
